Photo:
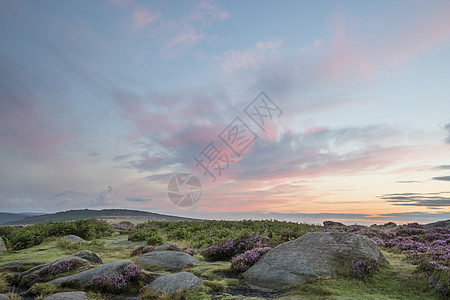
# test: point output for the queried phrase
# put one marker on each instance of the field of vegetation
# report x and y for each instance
(418, 259)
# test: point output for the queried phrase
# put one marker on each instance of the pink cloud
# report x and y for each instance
(175, 35)
(146, 120)
(256, 57)
(209, 11)
(31, 130)
(143, 17)
(427, 32)
(363, 54)
(186, 37)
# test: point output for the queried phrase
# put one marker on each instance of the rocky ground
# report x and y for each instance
(317, 265)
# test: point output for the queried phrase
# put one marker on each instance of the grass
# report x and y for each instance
(395, 281)
(211, 271)
(3, 282)
(53, 248)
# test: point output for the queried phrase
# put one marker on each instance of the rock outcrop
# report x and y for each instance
(173, 283)
(167, 260)
(310, 256)
(73, 239)
(2, 246)
(80, 279)
(68, 296)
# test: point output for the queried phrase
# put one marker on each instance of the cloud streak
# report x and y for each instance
(431, 200)
(442, 178)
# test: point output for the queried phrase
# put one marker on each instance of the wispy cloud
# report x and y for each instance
(431, 200)
(255, 58)
(408, 181)
(177, 34)
(442, 178)
(443, 167)
(105, 196)
(143, 17)
(138, 199)
(448, 132)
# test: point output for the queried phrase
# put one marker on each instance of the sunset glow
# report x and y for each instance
(103, 102)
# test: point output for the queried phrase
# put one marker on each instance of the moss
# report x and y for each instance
(153, 268)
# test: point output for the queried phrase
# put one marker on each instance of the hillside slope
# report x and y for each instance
(80, 214)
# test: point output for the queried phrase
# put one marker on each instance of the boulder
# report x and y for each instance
(126, 223)
(84, 256)
(173, 283)
(390, 225)
(68, 296)
(310, 256)
(332, 223)
(4, 297)
(18, 266)
(168, 260)
(2, 246)
(80, 279)
(73, 239)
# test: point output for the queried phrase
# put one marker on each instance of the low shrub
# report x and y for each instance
(115, 284)
(364, 268)
(142, 250)
(18, 237)
(64, 265)
(244, 261)
(154, 240)
(230, 248)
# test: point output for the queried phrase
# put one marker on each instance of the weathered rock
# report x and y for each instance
(89, 256)
(173, 283)
(4, 297)
(18, 266)
(80, 279)
(84, 257)
(73, 239)
(332, 223)
(126, 223)
(167, 246)
(68, 296)
(2, 246)
(168, 260)
(310, 256)
(390, 225)
(437, 224)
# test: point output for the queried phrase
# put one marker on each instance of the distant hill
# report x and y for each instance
(11, 217)
(81, 214)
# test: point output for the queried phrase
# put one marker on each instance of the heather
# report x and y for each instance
(418, 257)
(245, 260)
(116, 284)
(232, 247)
(142, 249)
(63, 266)
(429, 248)
(364, 268)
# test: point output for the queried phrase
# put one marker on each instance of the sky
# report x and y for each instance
(292, 110)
